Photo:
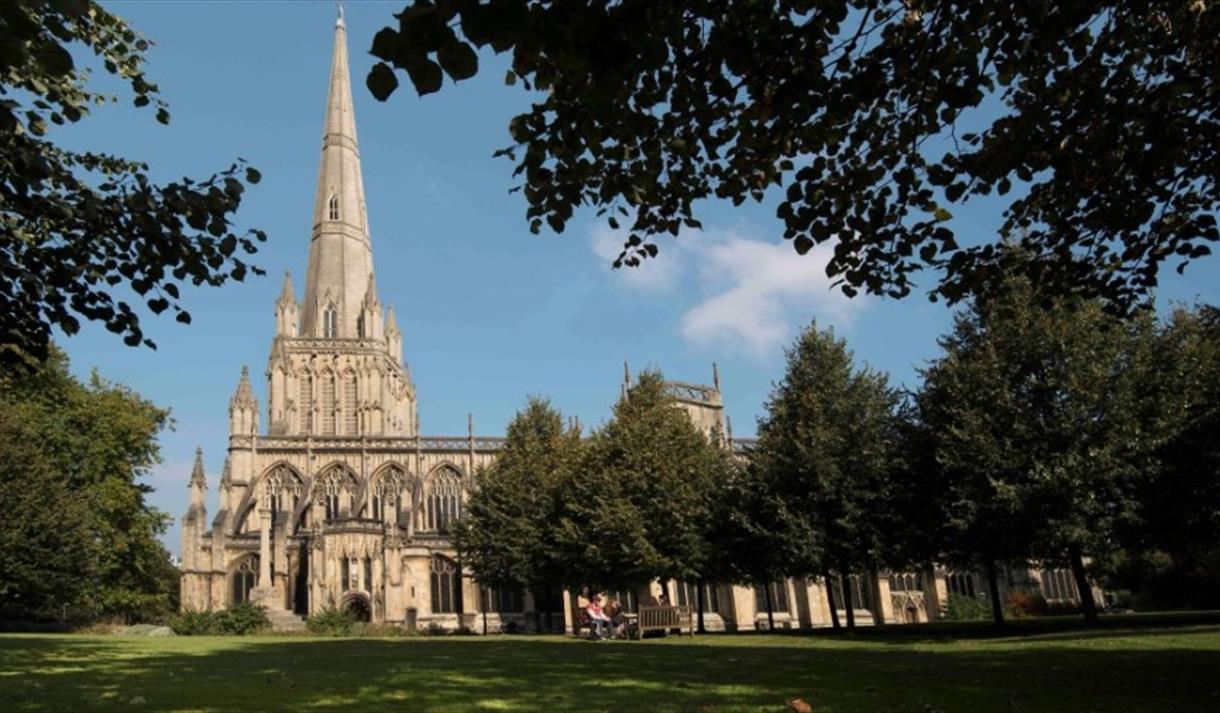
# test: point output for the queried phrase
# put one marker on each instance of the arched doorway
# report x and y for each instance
(358, 605)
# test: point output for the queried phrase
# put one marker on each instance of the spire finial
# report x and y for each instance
(339, 22)
(626, 374)
(728, 427)
(715, 376)
(197, 477)
(470, 424)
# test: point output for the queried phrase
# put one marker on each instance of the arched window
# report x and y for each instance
(961, 583)
(330, 322)
(331, 485)
(328, 404)
(305, 403)
(349, 404)
(345, 573)
(443, 499)
(907, 582)
(245, 576)
(333, 207)
(779, 597)
(282, 487)
(688, 596)
(387, 489)
(446, 586)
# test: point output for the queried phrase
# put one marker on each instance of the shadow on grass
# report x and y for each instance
(534, 673)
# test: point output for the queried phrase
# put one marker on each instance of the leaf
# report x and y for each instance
(381, 81)
(941, 214)
(459, 60)
(803, 244)
(184, 317)
(425, 75)
(252, 175)
(163, 116)
(385, 44)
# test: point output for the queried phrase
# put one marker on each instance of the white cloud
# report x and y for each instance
(761, 292)
(751, 295)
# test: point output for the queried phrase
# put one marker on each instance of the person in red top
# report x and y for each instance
(597, 618)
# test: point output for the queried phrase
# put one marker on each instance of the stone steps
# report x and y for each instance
(284, 620)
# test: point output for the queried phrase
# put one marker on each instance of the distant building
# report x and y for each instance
(341, 503)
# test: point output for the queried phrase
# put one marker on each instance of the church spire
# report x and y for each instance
(340, 253)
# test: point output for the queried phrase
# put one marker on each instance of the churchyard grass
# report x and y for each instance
(1130, 664)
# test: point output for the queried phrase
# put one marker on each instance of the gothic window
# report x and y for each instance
(504, 601)
(861, 593)
(779, 597)
(443, 499)
(688, 596)
(245, 576)
(330, 322)
(907, 582)
(446, 586)
(328, 404)
(331, 485)
(282, 488)
(961, 583)
(333, 207)
(368, 574)
(305, 403)
(1058, 584)
(349, 403)
(386, 491)
(345, 573)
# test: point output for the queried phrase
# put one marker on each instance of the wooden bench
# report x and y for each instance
(663, 618)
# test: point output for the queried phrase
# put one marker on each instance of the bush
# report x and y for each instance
(965, 608)
(193, 623)
(245, 618)
(334, 622)
(1025, 604)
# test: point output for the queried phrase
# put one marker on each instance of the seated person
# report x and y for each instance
(597, 618)
(614, 611)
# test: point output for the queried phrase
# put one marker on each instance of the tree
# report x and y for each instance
(639, 506)
(78, 228)
(1097, 117)
(506, 532)
(826, 445)
(100, 438)
(1170, 557)
(1039, 431)
(45, 546)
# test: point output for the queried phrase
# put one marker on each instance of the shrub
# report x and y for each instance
(193, 623)
(334, 622)
(435, 629)
(1025, 604)
(965, 608)
(245, 618)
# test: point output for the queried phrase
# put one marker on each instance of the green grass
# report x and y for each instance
(1131, 663)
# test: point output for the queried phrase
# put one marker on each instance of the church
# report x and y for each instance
(341, 503)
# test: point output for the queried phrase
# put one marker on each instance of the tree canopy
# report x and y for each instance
(1096, 122)
(84, 235)
(75, 453)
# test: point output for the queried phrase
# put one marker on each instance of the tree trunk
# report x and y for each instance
(486, 601)
(770, 608)
(699, 600)
(993, 589)
(830, 600)
(848, 606)
(1087, 605)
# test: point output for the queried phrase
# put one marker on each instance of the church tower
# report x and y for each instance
(336, 363)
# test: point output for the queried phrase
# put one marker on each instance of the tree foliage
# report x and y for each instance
(82, 233)
(1096, 123)
(826, 450)
(639, 506)
(506, 533)
(95, 440)
(1041, 430)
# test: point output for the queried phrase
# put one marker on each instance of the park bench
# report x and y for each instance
(652, 617)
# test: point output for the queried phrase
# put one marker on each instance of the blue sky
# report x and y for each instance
(489, 312)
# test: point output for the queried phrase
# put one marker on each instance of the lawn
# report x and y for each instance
(1129, 664)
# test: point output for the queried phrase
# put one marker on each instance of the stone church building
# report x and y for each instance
(340, 502)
